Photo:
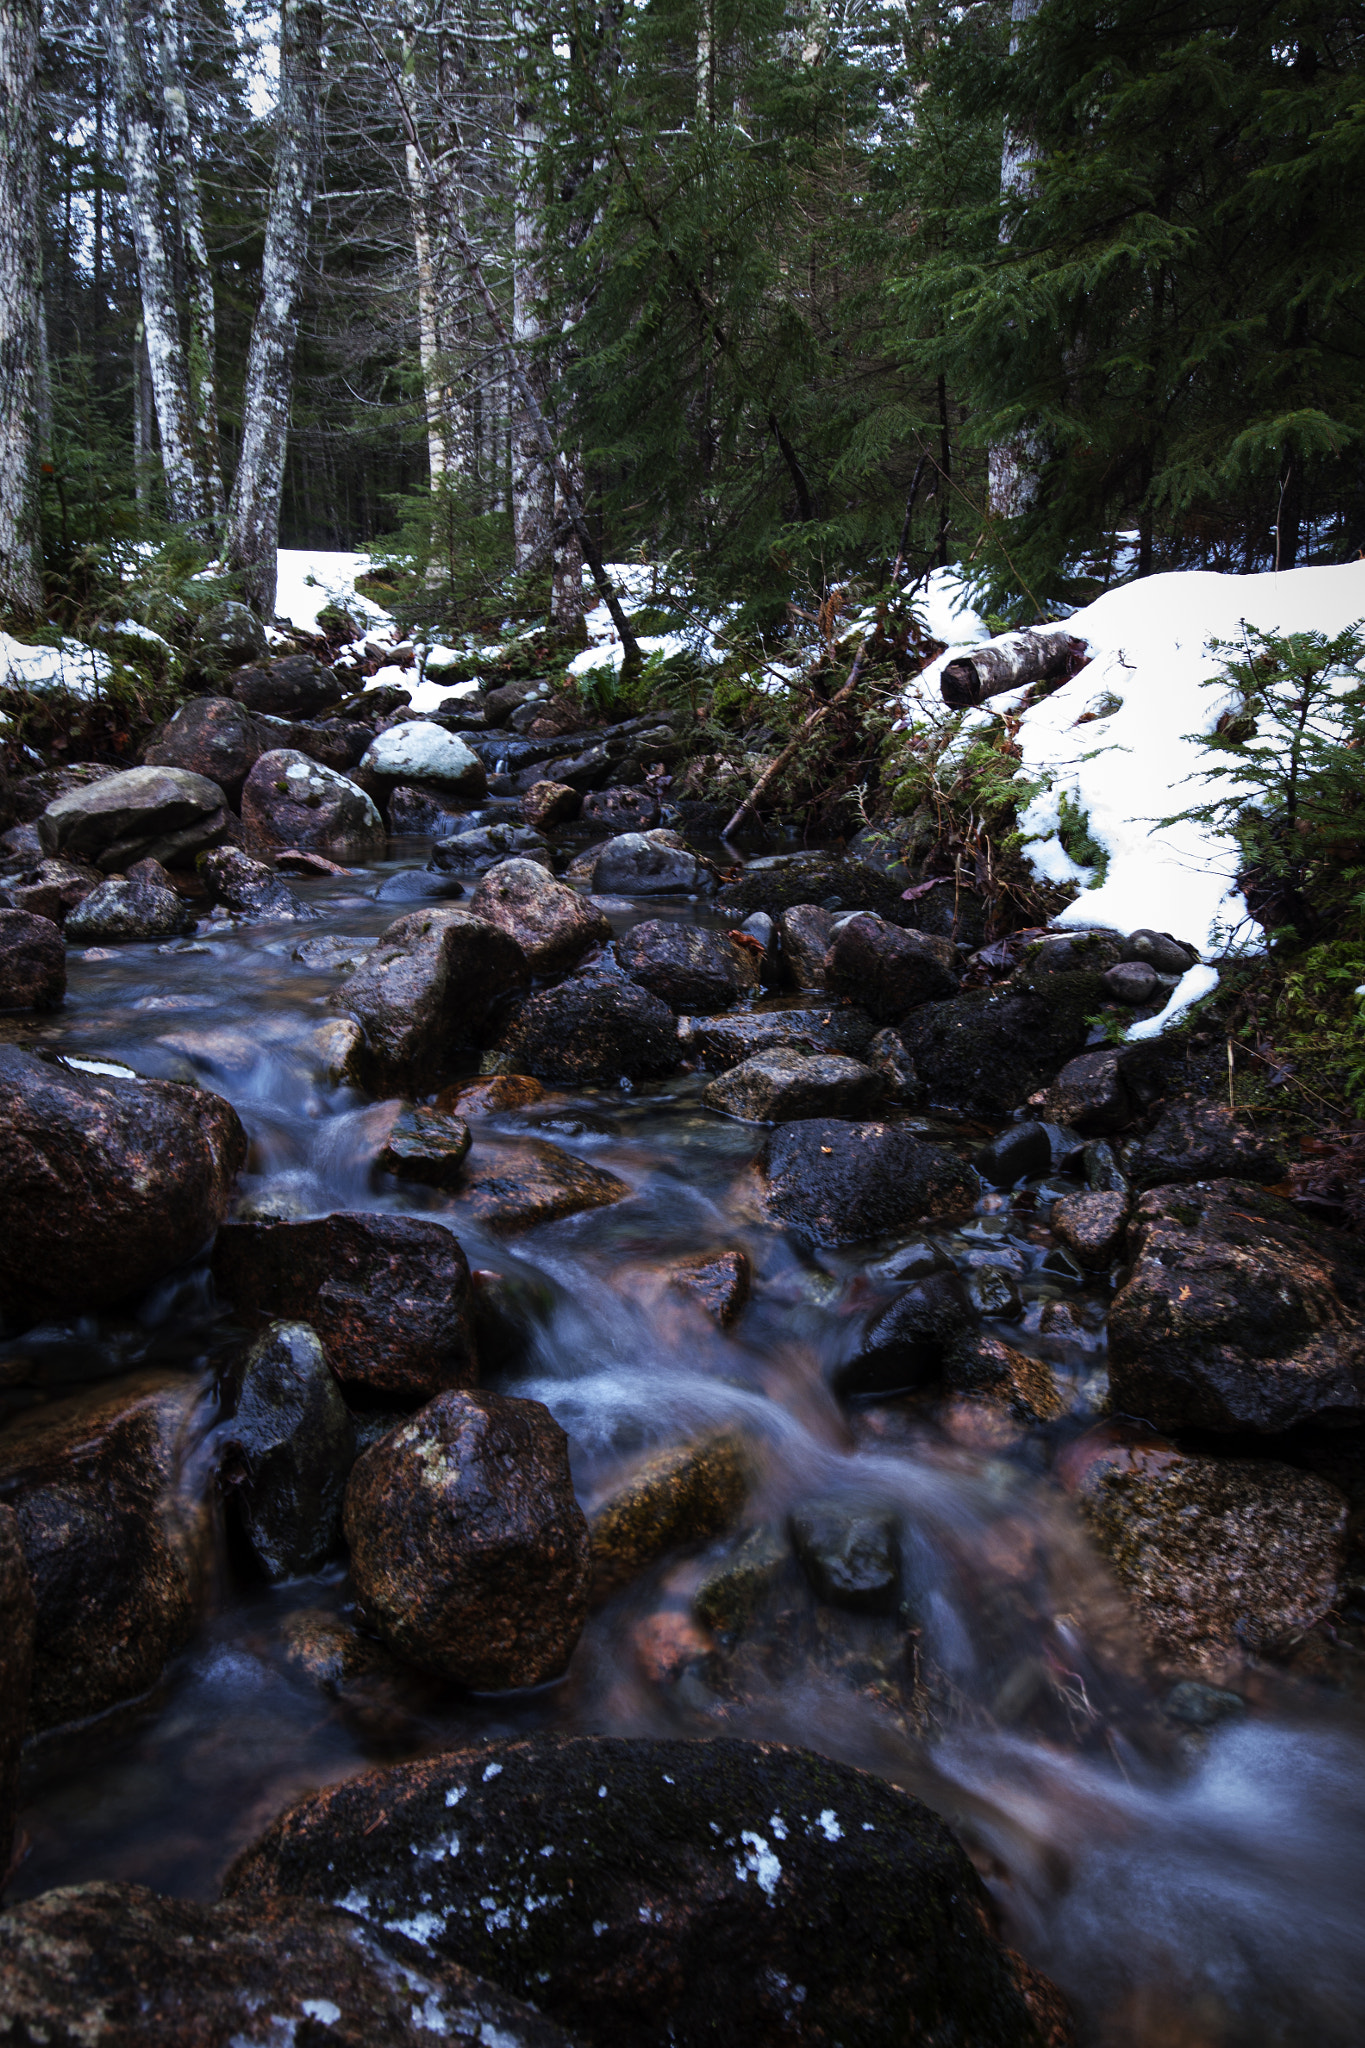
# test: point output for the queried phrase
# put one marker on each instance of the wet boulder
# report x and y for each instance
(427, 1145)
(337, 743)
(1091, 1226)
(988, 1049)
(592, 1029)
(212, 737)
(807, 1902)
(491, 1096)
(163, 814)
(1238, 1313)
(250, 887)
(1019, 1152)
(986, 1372)
(229, 634)
(143, 904)
(1221, 1556)
(418, 751)
(486, 846)
(850, 1551)
(469, 1552)
(685, 966)
(418, 814)
(886, 970)
(169, 1973)
(718, 1282)
(783, 1084)
(687, 1494)
(835, 1182)
(296, 686)
(782, 880)
(290, 801)
(17, 1620)
(510, 1188)
(389, 1296)
(726, 1040)
(433, 985)
(116, 1545)
(553, 924)
(806, 930)
(32, 962)
(549, 803)
(621, 810)
(1201, 1141)
(1092, 1094)
(643, 864)
(909, 1343)
(52, 889)
(287, 1451)
(105, 1184)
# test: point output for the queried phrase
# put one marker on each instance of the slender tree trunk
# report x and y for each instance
(1012, 466)
(21, 590)
(202, 355)
(254, 515)
(188, 502)
(533, 491)
(428, 333)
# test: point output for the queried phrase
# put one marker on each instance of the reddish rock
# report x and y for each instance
(510, 1188)
(426, 1145)
(53, 888)
(687, 1494)
(549, 803)
(32, 962)
(388, 1295)
(105, 1184)
(718, 1282)
(297, 686)
(114, 1966)
(887, 970)
(17, 1615)
(553, 925)
(469, 1552)
(213, 737)
(1091, 1227)
(290, 801)
(621, 810)
(491, 1097)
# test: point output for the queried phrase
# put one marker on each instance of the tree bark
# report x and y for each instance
(188, 501)
(1037, 656)
(21, 590)
(428, 330)
(201, 365)
(254, 515)
(533, 488)
(1012, 466)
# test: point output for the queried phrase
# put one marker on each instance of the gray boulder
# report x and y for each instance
(836, 1182)
(783, 1084)
(249, 887)
(287, 1451)
(298, 686)
(165, 814)
(475, 851)
(229, 634)
(32, 962)
(684, 966)
(52, 889)
(419, 751)
(212, 737)
(432, 986)
(886, 970)
(726, 1040)
(806, 929)
(143, 904)
(553, 924)
(639, 864)
(592, 1029)
(290, 801)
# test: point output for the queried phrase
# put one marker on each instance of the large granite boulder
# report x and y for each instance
(1238, 1313)
(250, 887)
(229, 634)
(297, 686)
(105, 1184)
(116, 1543)
(989, 1049)
(640, 1889)
(778, 1086)
(143, 904)
(646, 864)
(469, 1553)
(17, 1620)
(290, 801)
(685, 966)
(592, 1029)
(886, 970)
(553, 924)
(169, 1973)
(836, 1182)
(212, 737)
(164, 814)
(421, 752)
(32, 962)
(389, 1296)
(287, 1450)
(432, 986)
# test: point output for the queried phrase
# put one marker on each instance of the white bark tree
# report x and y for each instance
(533, 490)
(21, 591)
(1012, 466)
(201, 355)
(254, 514)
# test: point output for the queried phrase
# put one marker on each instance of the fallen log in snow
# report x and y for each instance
(1043, 654)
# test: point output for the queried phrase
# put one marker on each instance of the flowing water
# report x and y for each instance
(1200, 1888)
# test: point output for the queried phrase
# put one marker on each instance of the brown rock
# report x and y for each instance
(105, 1184)
(718, 1282)
(468, 1550)
(553, 924)
(114, 1966)
(53, 888)
(115, 1548)
(432, 985)
(1201, 1141)
(32, 962)
(1091, 1227)
(388, 1295)
(887, 970)
(997, 1373)
(290, 801)
(805, 930)
(837, 1182)
(491, 1097)
(510, 1188)
(425, 1145)
(593, 1029)
(17, 1614)
(1238, 1313)
(213, 737)
(1221, 1555)
(549, 803)
(687, 1494)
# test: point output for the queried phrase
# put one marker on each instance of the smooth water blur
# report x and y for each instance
(1203, 1890)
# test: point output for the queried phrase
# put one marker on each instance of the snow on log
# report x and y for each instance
(1044, 654)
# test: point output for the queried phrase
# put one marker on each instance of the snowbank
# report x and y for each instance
(310, 578)
(73, 666)
(1131, 762)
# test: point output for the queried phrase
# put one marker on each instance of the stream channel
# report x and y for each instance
(1184, 1886)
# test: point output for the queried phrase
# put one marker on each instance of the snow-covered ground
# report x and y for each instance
(73, 666)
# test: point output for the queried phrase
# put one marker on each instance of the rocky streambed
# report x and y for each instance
(567, 1405)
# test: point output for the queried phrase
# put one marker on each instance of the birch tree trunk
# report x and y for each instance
(254, 514)
(21, 590)
(428, 331)
(1012, 466)
(533, 493)
(188, 502)
(201, 375)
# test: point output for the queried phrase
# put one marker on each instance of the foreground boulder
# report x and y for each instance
(16, 1670)
(1201, 1141)
(389, 1296)
(115, 1547)
(105, 1184)
(469, 1553)
(553, 924)
(165, 814)
(887, 970)
(837, 1182)
(779, 1086)
(249, 887)
(684, 966)
(167, 1973)
(212, 737)
(592, 1029)
(287, 1451)
(1223, 1556)
(1238, 1313)
(988, 1050)
(290, 801)
(432, 985)
(421, 752)
(639, 1889)
(297, 686)
(32, 962)
(143, 904)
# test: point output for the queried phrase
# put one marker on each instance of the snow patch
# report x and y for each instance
(73, 666)
(311, 578)
(828, 1824)
(322, 2010)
